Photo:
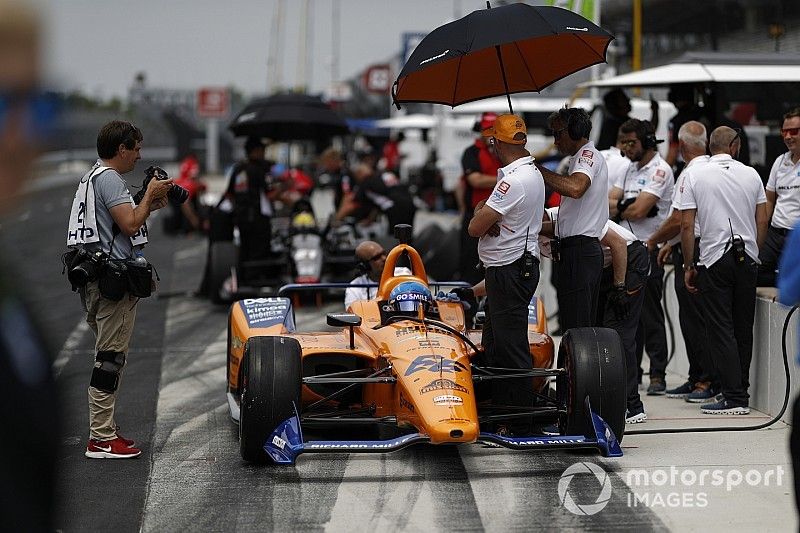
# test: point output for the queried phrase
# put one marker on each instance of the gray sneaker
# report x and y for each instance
(657, 387)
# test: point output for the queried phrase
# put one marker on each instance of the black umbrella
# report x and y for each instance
(288, 117)
(509, 49)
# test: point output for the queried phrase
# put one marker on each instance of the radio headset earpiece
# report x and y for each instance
(579, 125)
(649, 140)
(362, 266)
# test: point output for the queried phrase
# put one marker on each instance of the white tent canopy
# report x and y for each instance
(521, 104)
(709, 67)
(402, 122)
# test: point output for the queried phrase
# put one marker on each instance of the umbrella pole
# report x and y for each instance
(505, 82)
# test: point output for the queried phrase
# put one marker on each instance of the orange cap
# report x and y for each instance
(505, 128)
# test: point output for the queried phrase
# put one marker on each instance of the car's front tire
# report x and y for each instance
(270, 390)
(595, 364)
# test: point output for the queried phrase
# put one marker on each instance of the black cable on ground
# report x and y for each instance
(737, 428)
(671, 354)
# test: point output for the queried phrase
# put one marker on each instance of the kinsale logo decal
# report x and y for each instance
(567, 499)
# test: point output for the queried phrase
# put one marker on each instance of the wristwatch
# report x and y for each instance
(619, 285)
(687, 268)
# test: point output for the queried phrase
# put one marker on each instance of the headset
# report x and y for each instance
(646, 133)
(650, 140)
(579, 125)
(362, 266)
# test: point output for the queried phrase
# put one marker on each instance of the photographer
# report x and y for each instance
(109, 228)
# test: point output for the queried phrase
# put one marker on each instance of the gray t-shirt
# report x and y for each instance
(110, 190)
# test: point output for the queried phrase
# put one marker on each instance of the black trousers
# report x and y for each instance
(728, 293)
(579, 271)
(505, 333)
(652, 333)
(635, 279)
(770, 255)
(690, 317)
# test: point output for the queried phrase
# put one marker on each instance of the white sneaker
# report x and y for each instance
(638, 418)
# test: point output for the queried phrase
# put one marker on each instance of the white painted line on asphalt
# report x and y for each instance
(405, 503)
(69, 347)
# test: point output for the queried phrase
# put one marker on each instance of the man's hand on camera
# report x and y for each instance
(158, 203)
(159, 188)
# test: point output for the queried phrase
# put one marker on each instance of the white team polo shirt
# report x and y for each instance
(654, 178)
(623, 232)
(519, 197)
(617, 165)
(588, 214)
(725, 193)
(784, 181)
(619, 230)
(689, 169)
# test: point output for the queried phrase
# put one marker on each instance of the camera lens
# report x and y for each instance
(82, 273)
(177, 194)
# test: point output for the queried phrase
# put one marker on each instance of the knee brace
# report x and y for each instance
(107, 368)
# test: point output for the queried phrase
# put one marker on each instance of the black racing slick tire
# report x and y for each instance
(270, 390)
(595, 363)
(221, 258)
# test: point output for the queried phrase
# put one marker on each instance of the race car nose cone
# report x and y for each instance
(449, 431)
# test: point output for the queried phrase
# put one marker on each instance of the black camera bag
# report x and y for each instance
(140, 278)
(114, 281)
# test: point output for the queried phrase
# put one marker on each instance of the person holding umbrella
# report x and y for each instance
(507, 225)
(582, 217)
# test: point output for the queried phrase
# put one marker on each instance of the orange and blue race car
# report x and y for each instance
(403, 369)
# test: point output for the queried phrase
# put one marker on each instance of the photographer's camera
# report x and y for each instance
(86, 267)
(176, 195)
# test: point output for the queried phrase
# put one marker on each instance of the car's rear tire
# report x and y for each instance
(221, 258)
(595, 364)
(270, 390)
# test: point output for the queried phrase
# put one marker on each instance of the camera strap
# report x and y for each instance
(115, 229)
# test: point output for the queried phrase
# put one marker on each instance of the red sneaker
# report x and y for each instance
(128, 442)
(111, 449)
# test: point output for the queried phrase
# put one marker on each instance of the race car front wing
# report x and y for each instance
(286, 443)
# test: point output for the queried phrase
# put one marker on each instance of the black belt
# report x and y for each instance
(636, 244)
(513, 263)
(577, 240)
(780, 231)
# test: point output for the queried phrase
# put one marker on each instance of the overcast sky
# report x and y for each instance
(98, 46)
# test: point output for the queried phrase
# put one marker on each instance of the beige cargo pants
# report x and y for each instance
(112, 323)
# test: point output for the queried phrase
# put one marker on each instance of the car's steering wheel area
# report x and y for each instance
(430, 322)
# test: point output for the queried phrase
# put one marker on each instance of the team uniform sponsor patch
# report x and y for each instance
(586, 153)
(659, 176)
(503, 187)
(585, 161)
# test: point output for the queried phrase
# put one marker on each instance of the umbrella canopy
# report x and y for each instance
(504, 50)
(289, 117)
